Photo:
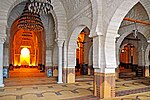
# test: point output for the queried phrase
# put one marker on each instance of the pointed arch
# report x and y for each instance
(112, 30)
(58, 13)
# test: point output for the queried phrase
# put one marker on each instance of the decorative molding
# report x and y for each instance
(2, 38)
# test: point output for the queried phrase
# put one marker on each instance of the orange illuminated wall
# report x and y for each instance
(80, 49)
(124, 55)
(25, 39)
(127, 54)
(34, 41)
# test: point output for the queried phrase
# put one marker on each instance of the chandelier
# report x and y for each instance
(30, 18)
(40, 6)
(30, 21)
(135, 31)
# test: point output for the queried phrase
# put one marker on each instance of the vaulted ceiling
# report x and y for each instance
(138, 12)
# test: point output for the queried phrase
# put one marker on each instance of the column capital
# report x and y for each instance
(2, 38)
(109, 70)
(60, 42)
(96, 34)
(105, 70)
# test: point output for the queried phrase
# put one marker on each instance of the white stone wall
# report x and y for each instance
(147, 60)
(49, 58)
(6, 57)
(73, 7)
(55, 55)
(79, 16)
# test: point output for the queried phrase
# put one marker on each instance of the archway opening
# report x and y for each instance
(128, 63)
(84, 60)
(25, 49)
(132, 56)
(132, 43)
(27, 45)
(26, 53)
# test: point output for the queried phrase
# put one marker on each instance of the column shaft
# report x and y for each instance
(2, 40)
(60, 46)
(60, 66)
(1, 65)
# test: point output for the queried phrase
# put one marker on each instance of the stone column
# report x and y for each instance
(147, 60)
(2, 40)
(60, 45)
(104, 75)
(71, 63)
(143, 62)
(117, 58)
(65, 63)
(68, 71)
(117, 73)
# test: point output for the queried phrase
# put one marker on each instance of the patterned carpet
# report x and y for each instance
(45, 88)
(89, 97)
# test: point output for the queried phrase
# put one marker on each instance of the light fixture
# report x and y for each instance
(135, 31)
(30, 21)
(25, 52)
(40, 6)
(148, 40)
(123, 50)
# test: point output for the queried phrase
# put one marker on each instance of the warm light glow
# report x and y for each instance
(25, 56)
(25, 52)
(79, 50)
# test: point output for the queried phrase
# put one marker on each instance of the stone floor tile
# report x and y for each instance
(8, 98)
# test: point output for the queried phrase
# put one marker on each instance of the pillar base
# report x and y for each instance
(146, 74)
(69, 75)
(1, 85)
(59, 82)
(55, 71)
(117, 73)
(104, 85)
